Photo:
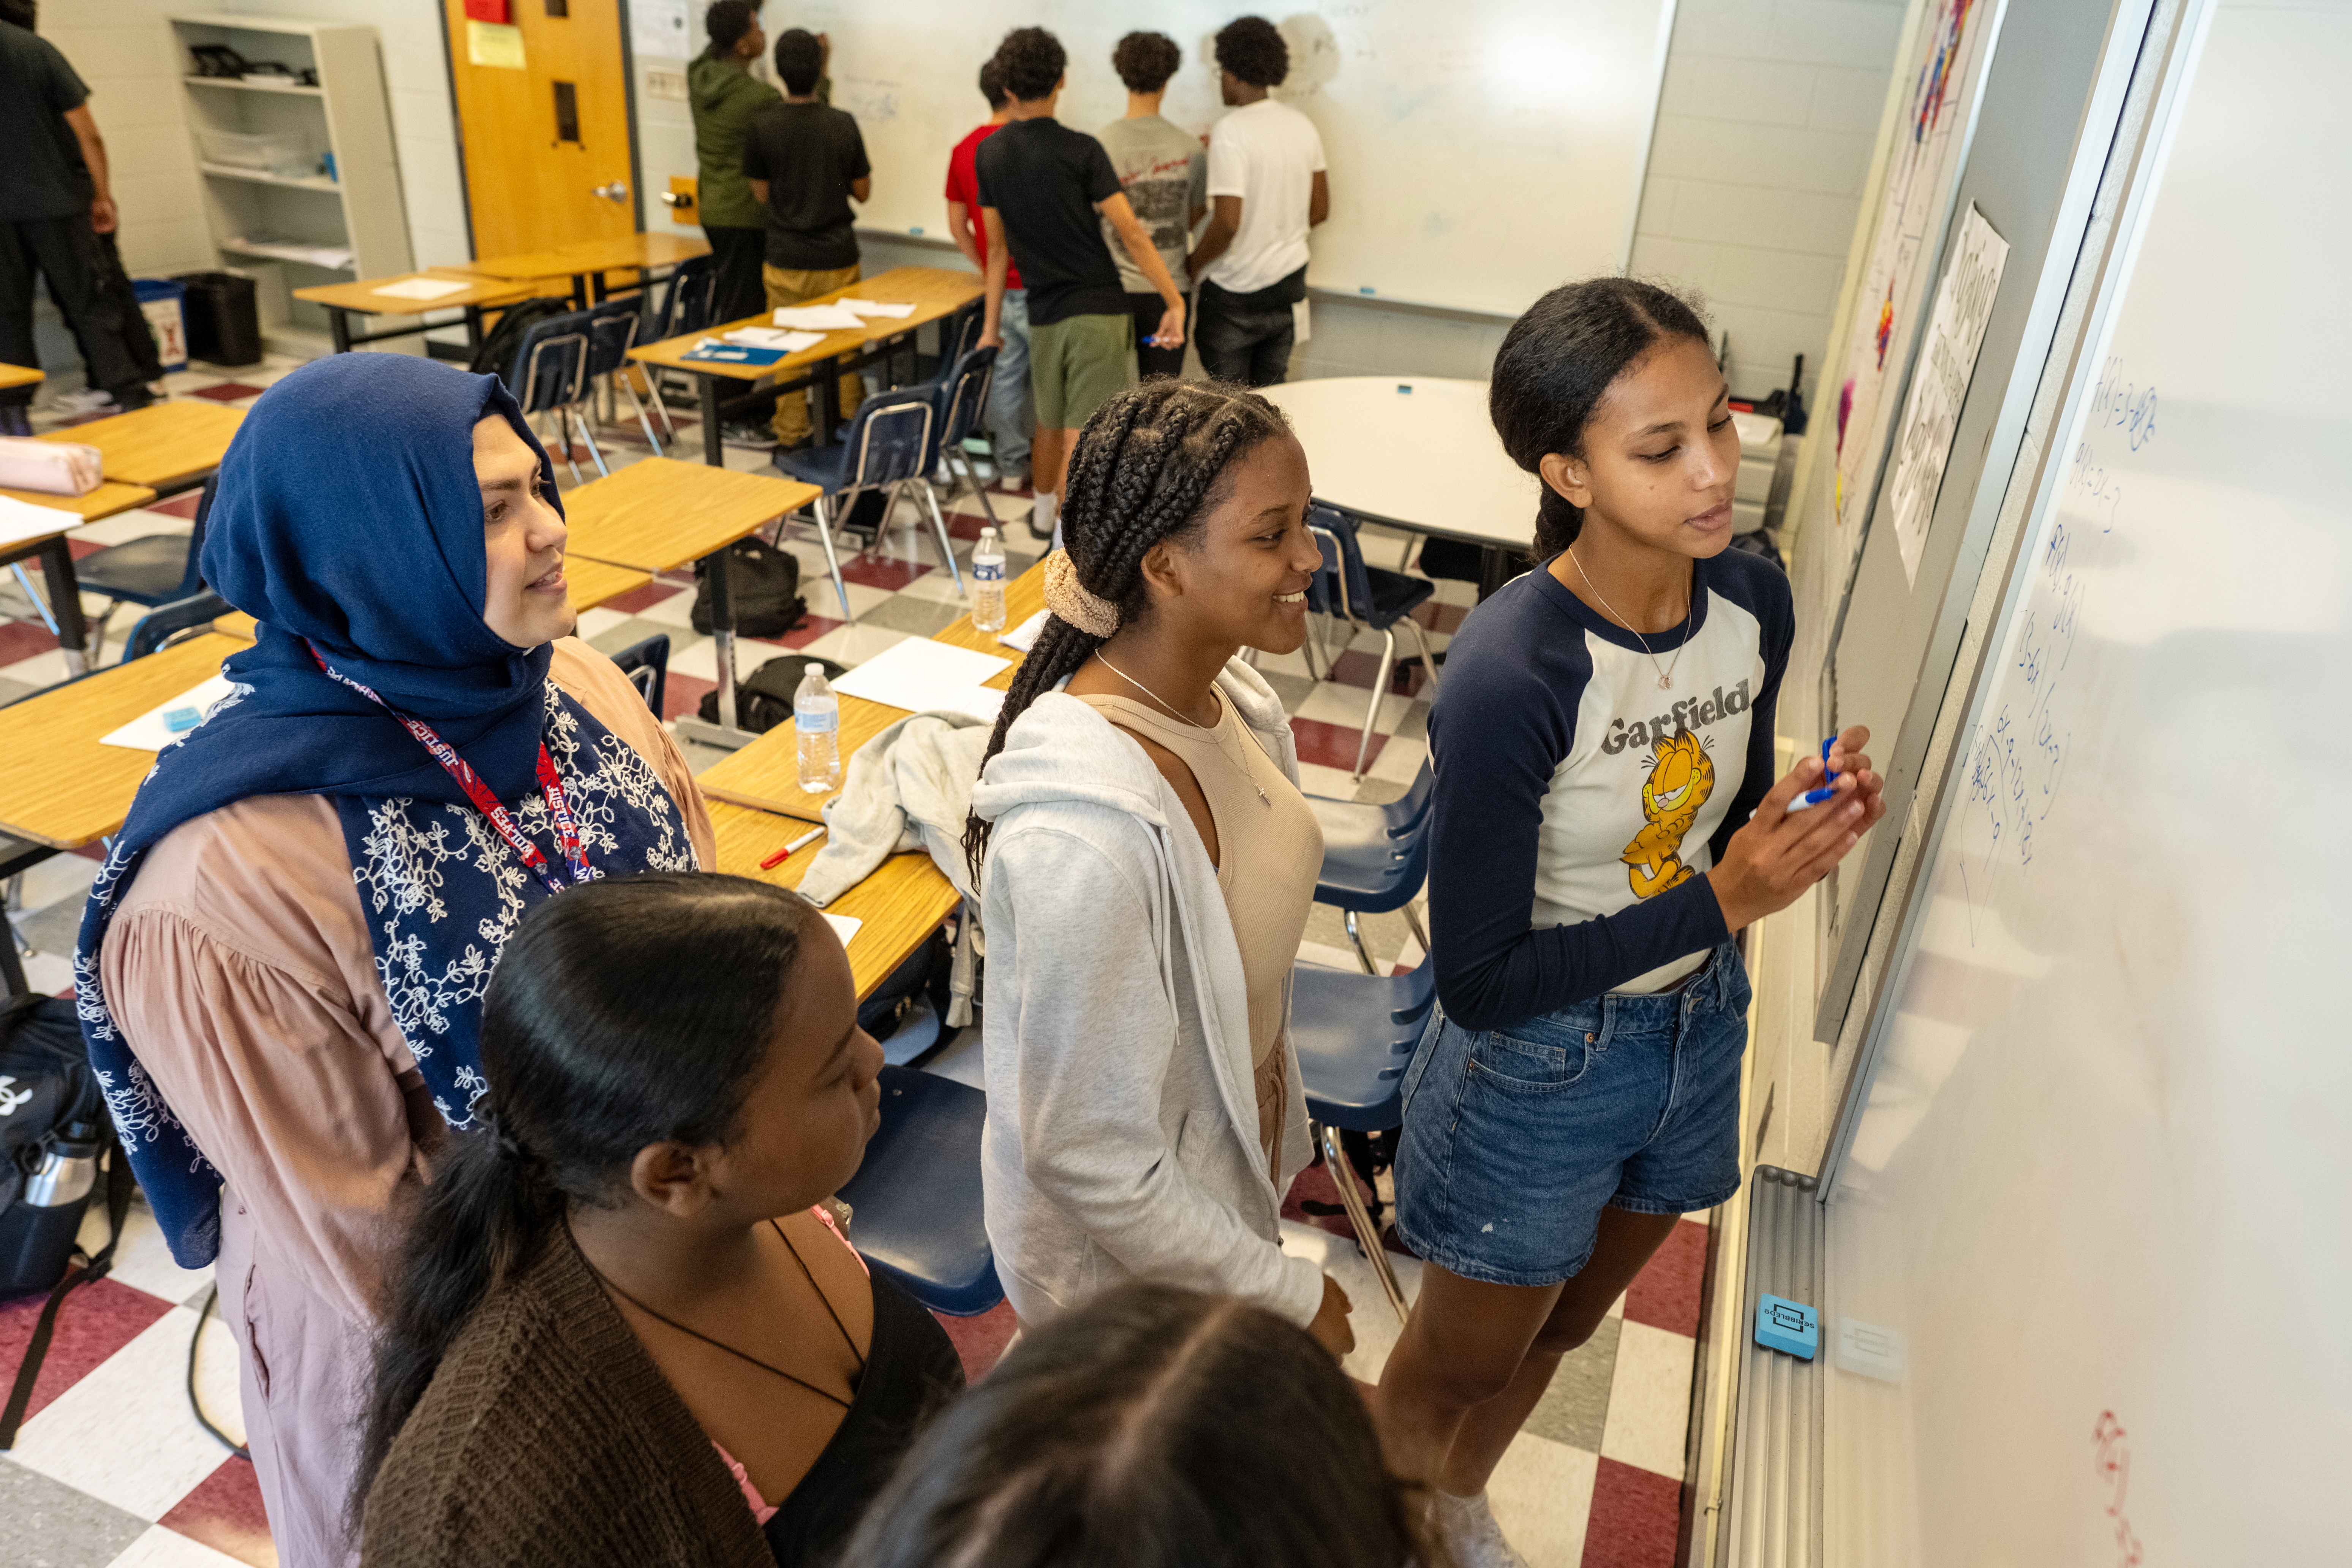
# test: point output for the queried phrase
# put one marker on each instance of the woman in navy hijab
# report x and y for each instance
(281, 967)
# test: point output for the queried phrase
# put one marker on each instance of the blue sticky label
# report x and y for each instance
(182, 719)
(1363, 288)
(1785, 1325)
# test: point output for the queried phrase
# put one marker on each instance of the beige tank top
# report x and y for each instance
(1269, 855)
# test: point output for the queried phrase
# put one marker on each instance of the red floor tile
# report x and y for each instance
(1440, 617)
(1333, 745)
(225, 1512)
(24, 639)
(182, 505)
(683, 695)
(877, 572)
(83, 548)
(637, 601)
(810, 629)
(1359, 669)
(1666, 1294)
(1635, 1518)
(95, 1321)
(230, 391)
(981, 1341)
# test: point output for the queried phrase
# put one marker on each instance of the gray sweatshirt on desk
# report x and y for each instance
(1122, 1137)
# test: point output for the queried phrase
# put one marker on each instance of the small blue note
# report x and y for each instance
(1785, 1325)
(735, 353)
(179, 721)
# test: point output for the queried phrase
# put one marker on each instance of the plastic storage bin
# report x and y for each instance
(224, 321)
(161, 302)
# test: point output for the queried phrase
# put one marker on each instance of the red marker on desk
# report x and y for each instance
(781, 856)
(1821, 796)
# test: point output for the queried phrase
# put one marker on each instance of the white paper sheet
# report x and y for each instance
(820, 318)
(21, 520)
(659, 27)
(923, 676)
(877, 308)
(775, 338)
(1948, 362)
(844, 926)
(147, 732)
(1024, 636)
(423, 288)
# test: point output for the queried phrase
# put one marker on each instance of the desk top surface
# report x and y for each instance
(934, 291)
(590, 583)
(109, 497)
(1425, 459)
(163, 445)
(900, 904)
(18, 375)
(659, 513)
(58, 784)
(620, 253)
(479, 289)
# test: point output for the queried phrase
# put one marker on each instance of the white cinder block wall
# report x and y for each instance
(1763, 140)
(123, 50)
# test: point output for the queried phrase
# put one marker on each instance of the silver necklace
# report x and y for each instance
(1665, 672)
(1215, 729)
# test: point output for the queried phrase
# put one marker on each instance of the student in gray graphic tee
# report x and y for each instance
(1163, 169)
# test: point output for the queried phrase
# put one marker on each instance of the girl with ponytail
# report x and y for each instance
(1146, 865)
(617, 1329)
(1603, 738)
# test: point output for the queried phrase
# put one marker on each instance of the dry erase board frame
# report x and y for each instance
(2049, 105)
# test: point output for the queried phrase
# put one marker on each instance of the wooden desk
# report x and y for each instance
(166, 445)
(104, 501)
(934, 291)
(58, 785)
(658, 513)
(766, 774)
(901, 903)
(590, 583)
(63, 612)
(236, 623)
(18, 375)
(587, 262)
(341, 301)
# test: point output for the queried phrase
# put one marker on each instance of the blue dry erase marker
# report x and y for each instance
(1829, 779)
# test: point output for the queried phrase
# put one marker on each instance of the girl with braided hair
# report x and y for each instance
(1146, 864)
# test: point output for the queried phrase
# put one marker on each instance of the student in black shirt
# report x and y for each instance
(805, 162)
(50, 212)
(1041, 187)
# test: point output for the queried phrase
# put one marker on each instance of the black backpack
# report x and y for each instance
(764, 583)
(53, 1134)
(764, 700)
(497, 355)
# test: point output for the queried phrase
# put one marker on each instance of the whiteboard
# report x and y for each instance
(1478, 155)
(2096, 1193)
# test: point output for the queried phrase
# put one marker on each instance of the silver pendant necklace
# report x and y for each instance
(1665, 672)
(1216, 737)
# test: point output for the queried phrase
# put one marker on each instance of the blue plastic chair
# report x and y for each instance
(916, 1204)
(1356, 1034)
(152, 570)
(646, 664)
(963, 397)
(686, 307)
(892, 440)
(165, 623)
(1368, 597)
(1375, 858)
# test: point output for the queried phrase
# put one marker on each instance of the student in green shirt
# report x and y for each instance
(724, 96)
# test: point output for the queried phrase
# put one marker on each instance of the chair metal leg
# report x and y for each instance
(563, 440)
(824, 533)
(588, 433)
(1428, 659)
(40, 606)
(97, 634)
(958, 459)
(1363, 954)
(940, 527)
(644, 422)
(1412, 922)
(1343, 1178)
(1380, 690)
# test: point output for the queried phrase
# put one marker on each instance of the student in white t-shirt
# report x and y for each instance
(1266, 189)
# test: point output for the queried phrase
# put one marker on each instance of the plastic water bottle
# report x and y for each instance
(816, 715)
(988, 582)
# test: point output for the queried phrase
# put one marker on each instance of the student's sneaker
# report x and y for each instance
(88, 400)
(1472, 1537)
(748, 433)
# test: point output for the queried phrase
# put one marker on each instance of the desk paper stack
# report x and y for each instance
(149, 732)
(423, 288)
(821, 318)
(1024, 636)
(877, 308)
(844, 926)
(775, 338)
(21, 520)
(926, 676)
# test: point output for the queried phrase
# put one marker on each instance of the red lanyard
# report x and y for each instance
(567, 830)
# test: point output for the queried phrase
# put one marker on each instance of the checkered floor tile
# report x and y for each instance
(113, 1468)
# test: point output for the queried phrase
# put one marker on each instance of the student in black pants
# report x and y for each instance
(51, 221)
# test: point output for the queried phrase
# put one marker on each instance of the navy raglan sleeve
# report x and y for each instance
(1502, 723)
(1765, 596)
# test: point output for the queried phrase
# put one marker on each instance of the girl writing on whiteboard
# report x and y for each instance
(1603, 739)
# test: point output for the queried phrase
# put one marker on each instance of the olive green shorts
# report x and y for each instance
(1077, 364)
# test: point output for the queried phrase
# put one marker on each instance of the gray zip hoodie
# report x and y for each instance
(1121, 1139)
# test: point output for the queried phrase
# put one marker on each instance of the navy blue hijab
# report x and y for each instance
(347, 515)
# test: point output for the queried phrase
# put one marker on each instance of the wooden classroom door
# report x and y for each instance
(544, 114)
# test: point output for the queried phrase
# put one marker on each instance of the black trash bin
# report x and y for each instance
(224, 323)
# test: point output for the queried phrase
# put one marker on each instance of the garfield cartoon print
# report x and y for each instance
(1680, 780)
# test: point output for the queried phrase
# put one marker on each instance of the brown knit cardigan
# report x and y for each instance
(549, 1436)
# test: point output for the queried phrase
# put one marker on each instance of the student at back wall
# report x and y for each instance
(725, 98)
(1042, 186)
(1165, 175)
(805, 162)
(1010, 413)
(1266, 189)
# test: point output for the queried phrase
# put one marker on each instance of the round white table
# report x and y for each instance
(1414, 452)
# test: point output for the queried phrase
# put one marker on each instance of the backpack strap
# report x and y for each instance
(96, 1266)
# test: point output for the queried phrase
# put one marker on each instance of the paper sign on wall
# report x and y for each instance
(488, 44)
(1931, 414)
(658, 28)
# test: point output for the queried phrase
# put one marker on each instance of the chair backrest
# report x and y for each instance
(166, 623)
(646, 664)
(192, 578)
(893, 436)
(686, 304)
(612, 328)
(965, 394)
(960, 332)
(1343, 557)
(551, 368)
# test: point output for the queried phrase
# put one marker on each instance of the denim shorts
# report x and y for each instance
(1515, 1139)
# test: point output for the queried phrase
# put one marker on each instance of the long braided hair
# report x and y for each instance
(1150, 464)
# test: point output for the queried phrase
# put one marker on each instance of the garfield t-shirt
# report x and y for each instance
(1579, 802)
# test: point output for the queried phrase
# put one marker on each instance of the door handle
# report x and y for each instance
(618, 190)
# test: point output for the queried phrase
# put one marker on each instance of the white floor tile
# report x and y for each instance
(854, 645)
(125, 1434)
(1346, 705)
(50, 973)
(142, 1261)
(823, 601)
(595, 623)
(1324, 956)
(41, 670)
(961, 1060)
(695, 655)
(1294, 663)
(162, 1548)
(136, 523)
(1649, 1399)
(1542, 1497)
(1400, 761)
(1335, 783)
(1370, 1314)
(677, 610)
(938, 586)
(58, 877)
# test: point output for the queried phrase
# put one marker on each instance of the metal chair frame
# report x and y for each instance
(889, 405)
(962, 391)
(1343, 545)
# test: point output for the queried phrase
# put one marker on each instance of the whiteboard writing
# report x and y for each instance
(2111, 1461)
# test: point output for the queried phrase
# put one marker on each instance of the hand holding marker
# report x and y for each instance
(1829, 781)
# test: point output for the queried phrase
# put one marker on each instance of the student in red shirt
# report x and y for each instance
(1010, 413)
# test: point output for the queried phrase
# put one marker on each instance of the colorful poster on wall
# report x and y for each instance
(1931, 417)
(1955, 41)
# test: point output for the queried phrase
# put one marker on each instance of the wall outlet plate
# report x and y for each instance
(1791, 1326)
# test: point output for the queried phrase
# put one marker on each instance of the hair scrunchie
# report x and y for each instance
(1070, 599)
